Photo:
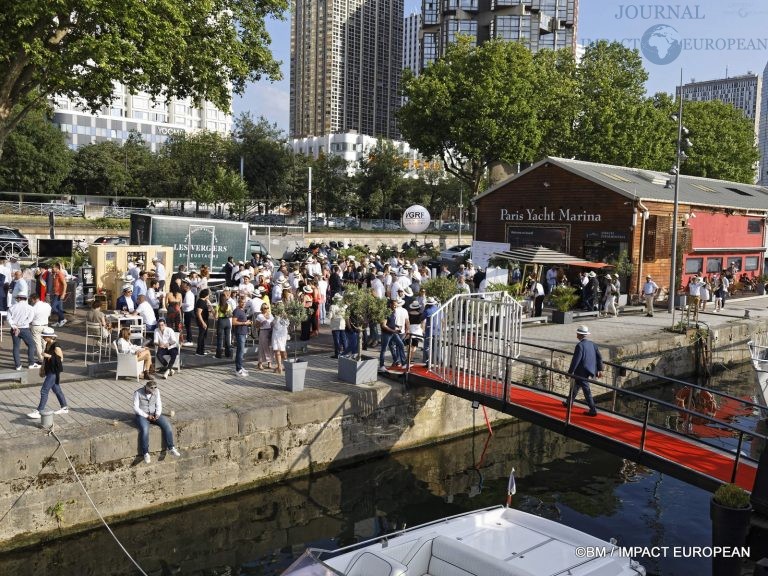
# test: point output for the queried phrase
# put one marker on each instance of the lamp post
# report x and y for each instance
(673, 269)
(461, 206)
(309, 202)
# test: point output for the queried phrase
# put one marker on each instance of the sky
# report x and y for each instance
(705, 40)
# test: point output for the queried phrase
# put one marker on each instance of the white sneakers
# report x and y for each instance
(34, 366)
(34, 415)
(61, 323)
(187, 344)
(242, 372)
(174, 451)
(62, 410)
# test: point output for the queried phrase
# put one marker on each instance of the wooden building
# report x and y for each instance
(596, 211)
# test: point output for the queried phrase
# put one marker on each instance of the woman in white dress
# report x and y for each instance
(264, 321)
(280, 339)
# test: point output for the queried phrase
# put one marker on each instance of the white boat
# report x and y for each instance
(497, 541)
(759, 354)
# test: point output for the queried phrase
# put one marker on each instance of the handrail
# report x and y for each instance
(656, 376)
(738, 431)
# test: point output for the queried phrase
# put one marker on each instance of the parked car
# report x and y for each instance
(454, 227)
(13, 243)
(385, 225)
(116, 240)
(458, 253)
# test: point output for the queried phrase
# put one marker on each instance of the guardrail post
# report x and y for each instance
(645, 424)
(738, 457)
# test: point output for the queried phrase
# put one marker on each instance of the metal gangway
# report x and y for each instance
(690, 431)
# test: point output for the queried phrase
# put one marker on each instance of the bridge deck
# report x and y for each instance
(681, 456)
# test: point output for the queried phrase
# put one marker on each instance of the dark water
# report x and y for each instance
(260, 532)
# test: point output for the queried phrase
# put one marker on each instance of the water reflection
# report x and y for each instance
(261, 531)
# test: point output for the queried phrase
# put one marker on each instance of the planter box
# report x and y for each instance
(680, 301)
(363, 371)
(562, 317)
(295, 373)
(729, 528)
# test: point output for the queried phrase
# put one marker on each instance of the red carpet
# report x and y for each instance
(687, 452)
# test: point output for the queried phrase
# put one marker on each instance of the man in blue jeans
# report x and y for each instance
(148, 407)
(20, 316)
(240, 326)
(391, 330)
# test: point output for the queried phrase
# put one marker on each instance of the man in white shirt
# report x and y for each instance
(20, 287)
(694, 291)
(650, 291)
(20, 317)
(159, 272)
(148, 408)
(377, 286)
(42, 312)
(462, 286)
(144, 310)
(536, 294)
(167, 346)
(188, 309)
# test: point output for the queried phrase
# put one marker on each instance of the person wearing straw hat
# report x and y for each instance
(585, 363)
(650, 291)
(430, 308)
(20, 317)
(52, 366)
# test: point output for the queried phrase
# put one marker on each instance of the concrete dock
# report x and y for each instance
(237, 432)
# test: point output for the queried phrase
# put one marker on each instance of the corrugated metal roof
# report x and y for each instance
(655, 186)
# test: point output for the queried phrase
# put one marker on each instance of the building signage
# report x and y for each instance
(416, 219)
(169, 131)
(607, 235)
(546, 214)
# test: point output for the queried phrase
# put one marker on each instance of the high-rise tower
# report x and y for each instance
(346, 65)
(538, 24)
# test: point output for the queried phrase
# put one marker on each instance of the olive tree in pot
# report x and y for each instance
(563, 298)
(730, 512)
(362, 309)
(294, 313)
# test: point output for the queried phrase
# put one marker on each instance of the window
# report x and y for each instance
(693, 265)
(751, 263)
(735, 261)
(754, 227)
(714, 265)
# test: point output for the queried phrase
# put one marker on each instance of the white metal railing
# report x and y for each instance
(474, 337)
(40, 208)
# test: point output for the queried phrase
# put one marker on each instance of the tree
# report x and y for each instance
(36, 158)
(168, 48)
(266, 159)
(723, 142)
(616, 123)
(195, 157)
(331, 186)
(557, 103)
(99, 169)
(473, 108)
(231, 189)
(380, 178)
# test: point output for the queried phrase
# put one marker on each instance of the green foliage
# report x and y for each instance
(623, 264)
(266, 159)
(515, 290)
(563, 298)
(295, 313)
(363, 309)
(732, 496)
(36, 158)
(331, 186)
(166, 47)
(443, 289)
(100, 169)
(474, 107)
(357, 251)
(380, 180)
(723, 142)
(194, 161)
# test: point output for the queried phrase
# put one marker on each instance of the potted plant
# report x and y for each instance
(730, 511)
(441, 289)
(760, 284)
(295, 369)
(563, 298)
(362, 309)
(624, 268)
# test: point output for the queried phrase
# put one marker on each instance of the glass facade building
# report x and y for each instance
(346, 66)
(538, 24)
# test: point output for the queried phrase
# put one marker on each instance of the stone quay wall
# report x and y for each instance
(226, 450)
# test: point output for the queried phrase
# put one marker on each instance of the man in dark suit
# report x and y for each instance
(586, 363)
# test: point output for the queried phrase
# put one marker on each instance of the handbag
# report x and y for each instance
(42, 371)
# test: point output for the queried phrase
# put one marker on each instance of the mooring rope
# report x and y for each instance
(93, 504)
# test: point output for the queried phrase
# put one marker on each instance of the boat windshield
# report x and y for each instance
(308, 565)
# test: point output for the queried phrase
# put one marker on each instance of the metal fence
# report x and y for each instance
(41, 208)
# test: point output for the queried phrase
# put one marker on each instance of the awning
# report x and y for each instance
(541, 255)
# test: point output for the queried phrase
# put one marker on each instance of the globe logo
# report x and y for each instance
(661, 44)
